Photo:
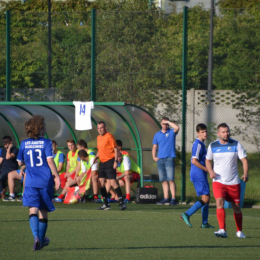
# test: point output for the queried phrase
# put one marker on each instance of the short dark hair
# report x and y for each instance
(119, 143)
(82, 153)
(222, 125)
(82, 143)
(9, 138)
(165, 118)
(200, 127)
(54, 142)
(101, 122)
(71, 141)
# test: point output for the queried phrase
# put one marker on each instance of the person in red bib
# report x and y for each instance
(72, 157)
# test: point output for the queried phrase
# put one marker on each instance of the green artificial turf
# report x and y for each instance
(79, 231)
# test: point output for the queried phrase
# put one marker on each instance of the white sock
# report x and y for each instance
(12, 194)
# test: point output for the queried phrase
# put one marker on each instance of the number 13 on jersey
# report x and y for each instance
(39, 157)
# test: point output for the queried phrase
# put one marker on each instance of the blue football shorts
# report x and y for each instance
(19, 174)
(201, 187)
(39, 198)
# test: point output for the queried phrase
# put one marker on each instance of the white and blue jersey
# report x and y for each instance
(199, 152)
(225, 158)
(34, 153)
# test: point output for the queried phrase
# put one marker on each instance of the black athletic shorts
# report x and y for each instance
(106, 170)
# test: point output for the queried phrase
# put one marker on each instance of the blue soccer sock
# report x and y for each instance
(43, 224)
(205, 213)
(197, 205)
(34, 224)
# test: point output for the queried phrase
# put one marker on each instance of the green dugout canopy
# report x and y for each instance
(131, 124)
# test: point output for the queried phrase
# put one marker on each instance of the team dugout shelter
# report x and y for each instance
(131, 124)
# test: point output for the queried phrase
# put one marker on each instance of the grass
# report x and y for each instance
(79, 231)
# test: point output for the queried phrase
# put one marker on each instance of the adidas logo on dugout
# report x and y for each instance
(148, 196)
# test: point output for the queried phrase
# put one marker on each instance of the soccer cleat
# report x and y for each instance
(104, 207)
(163, 202)
(58, 200)
(240, 234)
(186, 219)
(126, 201)
(98, 201)
(206, 226)
(172, 202)
(46, 242)
(221, 233)
(10, 198)
(36, 245)
(122, 206)
(20, 199)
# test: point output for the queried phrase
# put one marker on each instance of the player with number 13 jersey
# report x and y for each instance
(34, 153)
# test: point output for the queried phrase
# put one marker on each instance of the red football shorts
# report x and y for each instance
(63, 179)
(228, 192)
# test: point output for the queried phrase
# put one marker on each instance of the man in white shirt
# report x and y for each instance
(226, 183)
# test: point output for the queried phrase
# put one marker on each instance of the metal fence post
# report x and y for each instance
(8, 45)
(93, 55)
(184, 84)
(49, 43)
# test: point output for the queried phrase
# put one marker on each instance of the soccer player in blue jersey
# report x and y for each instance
(37, 154)
(198, 175)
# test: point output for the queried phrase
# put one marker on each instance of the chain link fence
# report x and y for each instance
(139, 61)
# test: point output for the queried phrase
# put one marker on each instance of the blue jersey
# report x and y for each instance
(166, 143)
(199, 152)
(34, 153)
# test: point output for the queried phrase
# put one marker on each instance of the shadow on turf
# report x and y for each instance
(61, 220)
(147, 247)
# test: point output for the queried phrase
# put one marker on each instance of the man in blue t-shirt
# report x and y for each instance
(37, 154)
(198, 175)
(164, 141)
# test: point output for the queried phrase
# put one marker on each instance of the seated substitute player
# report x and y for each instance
(120, 147)
(82, 145)
(198, 175)
(12, 176)
(127, 173)
(7, 161)
(226, 184)
(59, 158)
(37, 154)
(72, 157)
(85, 162)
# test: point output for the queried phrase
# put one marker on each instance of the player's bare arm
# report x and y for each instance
(21, 163)
(9, 155)
(197, 164)
(174, 126)
(77, 170)
(245, 168)
(212, 174)
(54, 172)
(60, 166)
(116, 155)
(96, 157)
(154, 153)
(1, 160)
(127, 172)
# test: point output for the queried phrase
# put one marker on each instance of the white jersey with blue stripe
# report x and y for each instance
(225, 158)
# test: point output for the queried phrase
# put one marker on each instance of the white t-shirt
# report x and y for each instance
(93, 168)
(83, 115)
(127, 163)
(225, 158)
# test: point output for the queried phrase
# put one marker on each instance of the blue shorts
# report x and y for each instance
(201, 187)
(166, 169)
(39, 198)
(18, 171)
